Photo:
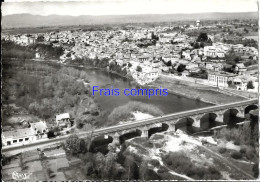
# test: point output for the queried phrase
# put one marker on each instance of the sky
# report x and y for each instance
(125, 7)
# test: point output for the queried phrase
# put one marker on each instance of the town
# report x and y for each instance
(173, 100)
(145, 54)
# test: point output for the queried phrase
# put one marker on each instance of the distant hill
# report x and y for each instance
(28, 20)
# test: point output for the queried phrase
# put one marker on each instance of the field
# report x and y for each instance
(49, 164)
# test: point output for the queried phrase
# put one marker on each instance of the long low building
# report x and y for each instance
(25, 135)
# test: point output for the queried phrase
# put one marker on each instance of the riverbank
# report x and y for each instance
(182, 88)
(127, 76)
(194, 91)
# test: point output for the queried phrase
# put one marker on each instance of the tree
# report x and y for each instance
(99, 163)
(73, 144)
(232, 58)
(50, 134)
(245, 30)
(168, 63)
(237, 59)
(130, 167)
(139, 68)
(154, 37)
(68, 55)
(203, 37)
(83, 146)
(112, 65)
(143, 169)
(181, 68)
(230, 83)
(209, 41)
(108, 165)
(250, 85)
(40, 39)
(196, 45)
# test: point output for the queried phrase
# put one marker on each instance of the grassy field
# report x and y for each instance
(194, 91)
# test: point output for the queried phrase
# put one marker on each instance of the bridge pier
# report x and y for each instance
(196, 123)
(116, 139)
(241, 112)
(145, 133)
(220, 118)
(171, 127)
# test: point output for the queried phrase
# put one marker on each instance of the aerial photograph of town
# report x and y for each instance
(130, 90)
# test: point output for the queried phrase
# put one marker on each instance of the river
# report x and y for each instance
(168, 104)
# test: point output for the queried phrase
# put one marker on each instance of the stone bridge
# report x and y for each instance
(214, 115)
(171, 122)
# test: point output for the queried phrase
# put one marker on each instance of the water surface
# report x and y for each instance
(168, 104)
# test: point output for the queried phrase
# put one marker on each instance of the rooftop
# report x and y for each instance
(19, 133)
(63, 116)
(40, 126)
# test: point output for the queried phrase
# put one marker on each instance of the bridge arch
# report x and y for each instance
(100, 144)
(156, 129)
(208, 121)
(185, 124)
(129, 135)
(230, 117)
(250, 107)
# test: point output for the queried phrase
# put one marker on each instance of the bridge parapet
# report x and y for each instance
(172, 118)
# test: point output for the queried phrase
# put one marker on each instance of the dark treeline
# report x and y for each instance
(48, 51)
(12, 50)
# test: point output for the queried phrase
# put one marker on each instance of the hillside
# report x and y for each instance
(28, 20)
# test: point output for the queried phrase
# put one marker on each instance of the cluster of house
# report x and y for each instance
(33, 131)
(121, 47)
(24, 39)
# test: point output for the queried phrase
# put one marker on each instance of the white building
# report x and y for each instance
(219, 79)
(198, 23)
(19, 136)
(25, 135)
(242, 81)
(63, 120)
